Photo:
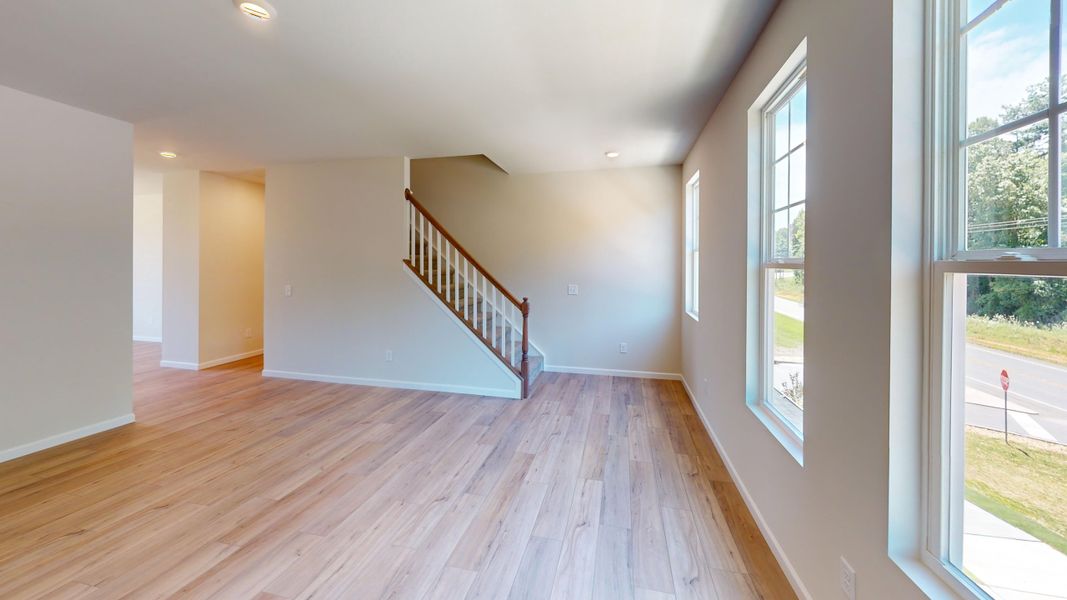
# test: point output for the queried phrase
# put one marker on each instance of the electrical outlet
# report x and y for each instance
(288, 290)
(848, 579)
(572, 289)
(388, 356)
(248, 333)
(624, 348)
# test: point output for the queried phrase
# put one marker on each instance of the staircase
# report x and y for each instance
(492, 313)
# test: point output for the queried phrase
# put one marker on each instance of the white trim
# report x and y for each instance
(776, 548)
(188, 366)
(63, 438)
(148, 338)
(466, 331)
(229, 359)
(612, 372)
(174, 364)
(397, 384)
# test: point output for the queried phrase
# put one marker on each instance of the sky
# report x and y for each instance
(1007, 53)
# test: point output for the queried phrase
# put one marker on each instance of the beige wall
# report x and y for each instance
(66, 189)
(148, 267)
(336, 234)
(231, 267)
(860, 239)
(212, 269)
(615, 233)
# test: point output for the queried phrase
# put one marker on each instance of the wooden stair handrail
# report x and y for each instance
(448, 236)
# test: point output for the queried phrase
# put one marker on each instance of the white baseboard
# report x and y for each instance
(391, 383)
(188, 366)
(776, 548)
(63, 438)
(613, 372)
(229, 359)
(147, 338)
(174, 364)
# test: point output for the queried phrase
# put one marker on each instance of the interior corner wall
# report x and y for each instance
(336, 234)
(837, 503)
(148, 267)
(616, 233)
(231, 268)
(181, 269)
(66, 220)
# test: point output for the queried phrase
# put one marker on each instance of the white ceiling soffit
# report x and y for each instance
(537, 86)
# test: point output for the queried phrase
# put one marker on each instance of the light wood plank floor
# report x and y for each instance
(234, 486)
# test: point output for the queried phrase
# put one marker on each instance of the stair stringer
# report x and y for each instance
(516, 391)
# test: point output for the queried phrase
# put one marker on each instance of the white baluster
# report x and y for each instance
(466, 290)
(411, 233)
(437, 258)
(423, 245)
(485, 313)
(455, 283)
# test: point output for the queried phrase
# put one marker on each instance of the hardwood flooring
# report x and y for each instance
(234, 486)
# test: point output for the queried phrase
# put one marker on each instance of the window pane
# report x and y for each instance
(1063, 181)
(975, 8)
(780, 234)
(1007, 190)
(695, 275)
(781, 132)
(787, 346)
(1007, 65)
(797, 175)
(796, 230)
(1014, 507)
(798, 117)
(781, 183)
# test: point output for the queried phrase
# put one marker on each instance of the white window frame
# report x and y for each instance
(692, 247)
(781, 89)
(946, 258)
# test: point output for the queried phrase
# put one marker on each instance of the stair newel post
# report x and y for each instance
(525, 347)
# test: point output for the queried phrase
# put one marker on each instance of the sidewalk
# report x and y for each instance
(1010, 563)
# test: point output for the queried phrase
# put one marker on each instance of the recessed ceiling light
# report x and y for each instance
(612, 154)
(258, 10)
(168, 154)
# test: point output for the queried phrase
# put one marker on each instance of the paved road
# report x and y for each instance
(1037, 399)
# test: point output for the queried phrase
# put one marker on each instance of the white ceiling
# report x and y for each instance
(536, 86)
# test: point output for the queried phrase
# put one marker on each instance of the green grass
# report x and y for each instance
(1043, 343)
(1029, 492)
(788, 332)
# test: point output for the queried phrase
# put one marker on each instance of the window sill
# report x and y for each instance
(785, 435)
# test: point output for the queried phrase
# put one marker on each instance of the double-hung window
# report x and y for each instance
(692, 246)
(997, 298)
(779, 120)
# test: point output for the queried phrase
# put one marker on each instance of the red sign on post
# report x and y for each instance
(1005, 381)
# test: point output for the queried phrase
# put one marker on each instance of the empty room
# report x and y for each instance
(422, 300)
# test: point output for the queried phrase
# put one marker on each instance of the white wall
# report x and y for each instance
(838, 503)
(231, 267)
(212, 269)
(336, 233)
(615, 233)
(181, 269)
(148, 267)
(66, 183)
